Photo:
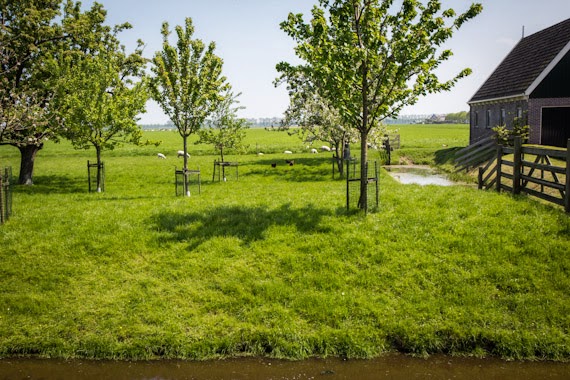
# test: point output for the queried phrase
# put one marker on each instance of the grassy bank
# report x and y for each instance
(272, 265)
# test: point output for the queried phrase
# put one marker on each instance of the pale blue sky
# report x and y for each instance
(249, 40)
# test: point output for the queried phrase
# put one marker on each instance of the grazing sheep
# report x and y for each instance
(314, 151)
(180, 153)
(160, 155)
(260, 154)
(325, 148)
(288, 152)
(290, 162)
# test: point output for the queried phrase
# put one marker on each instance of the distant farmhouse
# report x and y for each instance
(533, 81)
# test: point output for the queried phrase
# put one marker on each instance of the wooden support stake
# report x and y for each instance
(499, 166)
(567, 192)
(517, 165)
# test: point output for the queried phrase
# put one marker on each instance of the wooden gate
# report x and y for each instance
(543, 172)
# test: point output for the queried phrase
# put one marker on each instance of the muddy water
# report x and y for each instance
(397, 367)
(421, 175)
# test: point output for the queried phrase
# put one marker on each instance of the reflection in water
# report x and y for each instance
(397, 367)
(420, 175)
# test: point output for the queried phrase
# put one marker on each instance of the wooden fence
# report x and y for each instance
(476, 154)
(543, 172)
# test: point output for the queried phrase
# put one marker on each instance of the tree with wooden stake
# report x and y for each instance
(100, 96)
(225, 130)
(187, 83)
(369, 61)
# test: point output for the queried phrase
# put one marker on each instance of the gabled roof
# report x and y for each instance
(527, 64)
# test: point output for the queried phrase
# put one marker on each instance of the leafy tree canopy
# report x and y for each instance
(369, 58)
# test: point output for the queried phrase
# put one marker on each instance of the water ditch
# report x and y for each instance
(421, 175)
(395, 366)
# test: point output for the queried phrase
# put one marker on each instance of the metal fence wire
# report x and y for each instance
(5, 194)
(92, 176)
(353, 195)
(193, 178)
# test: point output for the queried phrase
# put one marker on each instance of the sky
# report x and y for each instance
(250, 42)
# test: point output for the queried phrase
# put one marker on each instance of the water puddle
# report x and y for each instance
(421, 175)
(396, 367)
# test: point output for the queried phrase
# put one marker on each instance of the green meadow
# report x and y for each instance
(271, 264)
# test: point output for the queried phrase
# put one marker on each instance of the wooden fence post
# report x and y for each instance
(517, 165)
(499, 166)
(567, 192)
(1, 199)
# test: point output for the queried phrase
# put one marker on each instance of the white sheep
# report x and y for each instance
(160, 155)
(325, 148)
(288, 152)
(260, 154)
(180, 153)
(314, 151)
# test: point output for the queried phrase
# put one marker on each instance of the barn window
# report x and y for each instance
(519, 112)
(476, 117)
(502, 117)
(488, 119)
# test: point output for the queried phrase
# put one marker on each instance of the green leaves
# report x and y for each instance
(367, 59)
(187, 81)
(101, 92)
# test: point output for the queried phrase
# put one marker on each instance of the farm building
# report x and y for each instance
(533, 81)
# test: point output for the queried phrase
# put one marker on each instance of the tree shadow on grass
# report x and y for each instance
(249, 224)
(54, 184)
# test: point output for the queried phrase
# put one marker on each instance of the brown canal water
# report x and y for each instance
(397, 367)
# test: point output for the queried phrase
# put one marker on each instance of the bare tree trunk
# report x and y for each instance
(185, 170)
(339, 154)
(27, 158)
(223, 166)
(99, 169)
(363, 200)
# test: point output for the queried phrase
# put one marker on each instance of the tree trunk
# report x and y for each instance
(339, 154)
(27, 157)
(223, 166)
(363, 200)
(185, 170)
(99, 168)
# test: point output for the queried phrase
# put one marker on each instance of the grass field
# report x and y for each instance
(271, 264)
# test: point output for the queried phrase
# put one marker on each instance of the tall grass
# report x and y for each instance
(271, 264)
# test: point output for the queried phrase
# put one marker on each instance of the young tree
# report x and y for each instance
(226, 129)
(187, 83)
(99, 97)
(369, 62)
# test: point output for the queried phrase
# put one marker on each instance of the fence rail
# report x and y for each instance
(542, 172)
(475, 154)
